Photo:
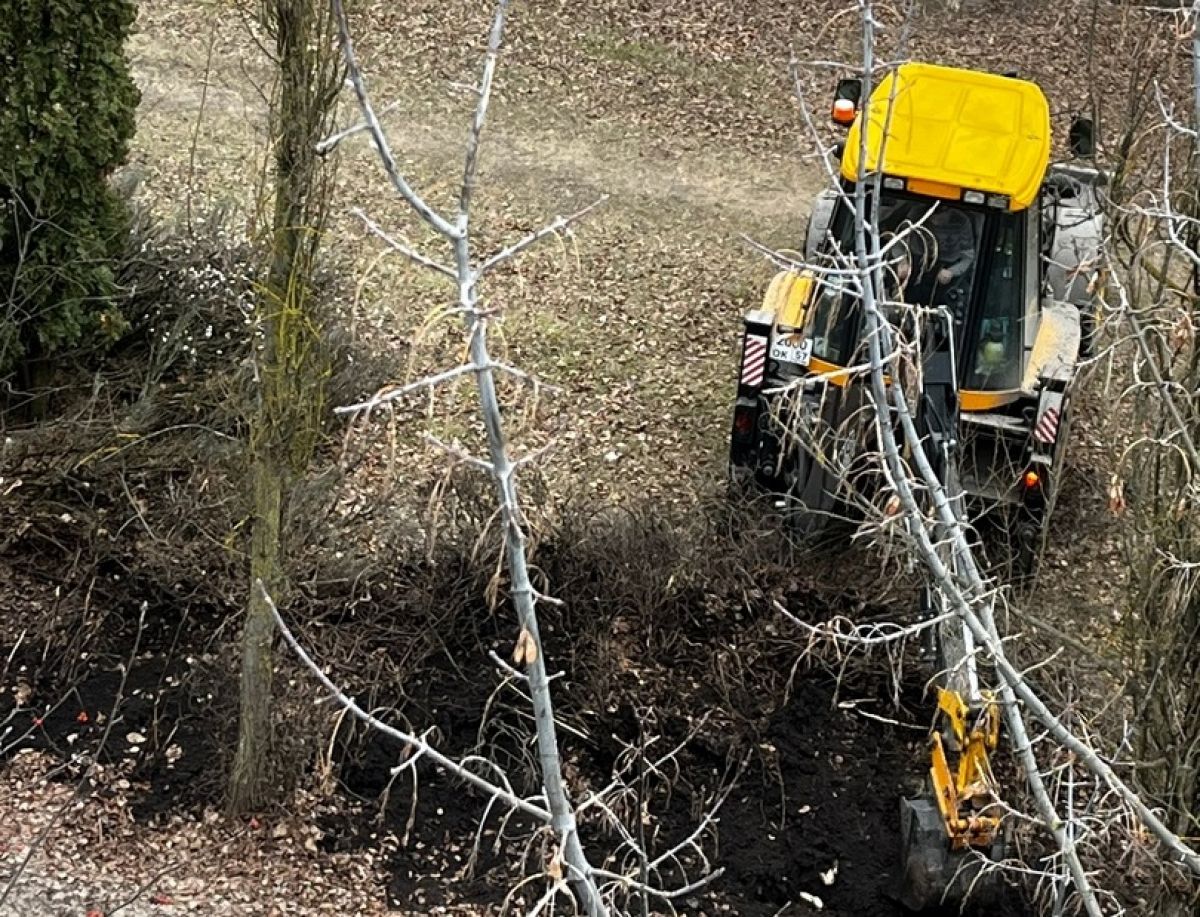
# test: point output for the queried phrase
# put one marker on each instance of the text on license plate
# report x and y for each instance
(792, 353)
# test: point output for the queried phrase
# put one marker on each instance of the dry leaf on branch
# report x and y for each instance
(525, 652)
(1116, 496)
(555, 869)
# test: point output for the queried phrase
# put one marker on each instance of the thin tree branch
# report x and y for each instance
(416, 743)
(398, 246)
(458, 453)
(358, 81)
(331, 142)
(558, 224)
(471, 159)
(388, 395)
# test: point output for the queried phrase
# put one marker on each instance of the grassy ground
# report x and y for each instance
(684, 115)
(634, 316)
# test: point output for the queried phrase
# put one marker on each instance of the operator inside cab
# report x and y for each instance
(937, 254)
(934, 251)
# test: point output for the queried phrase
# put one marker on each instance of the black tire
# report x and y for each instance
(809, 505)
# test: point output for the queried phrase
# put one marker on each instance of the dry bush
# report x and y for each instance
(128, 491)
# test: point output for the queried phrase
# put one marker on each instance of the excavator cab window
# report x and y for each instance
(996, 361)
(934, 250)
(834, 320)
(930, 249)
(833, 324)
(937, 253)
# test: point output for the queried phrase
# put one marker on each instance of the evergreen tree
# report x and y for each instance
(67, 107)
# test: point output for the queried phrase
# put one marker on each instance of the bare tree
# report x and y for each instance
(595, 890)
(466, 275)
(291, 363)
(1152, 297)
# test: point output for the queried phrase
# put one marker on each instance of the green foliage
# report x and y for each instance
(67, 107)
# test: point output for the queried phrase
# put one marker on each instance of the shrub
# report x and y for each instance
(67, 115)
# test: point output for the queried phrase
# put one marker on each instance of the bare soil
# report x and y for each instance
(818, 774)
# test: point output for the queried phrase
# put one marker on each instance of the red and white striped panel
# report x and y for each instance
(1046, 430)
(754, 360)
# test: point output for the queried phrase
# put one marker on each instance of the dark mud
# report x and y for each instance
(822, 799)
(813, 811)
(161, 721)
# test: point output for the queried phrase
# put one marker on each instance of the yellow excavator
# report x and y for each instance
(990, 257)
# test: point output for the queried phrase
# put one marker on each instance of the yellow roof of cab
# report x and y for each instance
(956, 127)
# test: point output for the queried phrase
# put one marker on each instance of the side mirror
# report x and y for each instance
(846, 99)
(1082, 138)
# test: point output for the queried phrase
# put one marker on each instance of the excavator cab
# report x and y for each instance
(989, 260)
(962, 261)
(987, 271)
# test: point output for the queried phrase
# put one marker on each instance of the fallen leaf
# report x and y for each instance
(813, 900)
(830, 874)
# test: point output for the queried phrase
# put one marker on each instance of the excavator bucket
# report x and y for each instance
(936, 875)
(949, 834)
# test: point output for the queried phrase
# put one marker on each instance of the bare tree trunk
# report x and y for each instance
(961, 584)
(249, 782)
(523, 596)
(287, 423)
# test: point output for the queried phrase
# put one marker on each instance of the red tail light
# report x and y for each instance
(743, 421)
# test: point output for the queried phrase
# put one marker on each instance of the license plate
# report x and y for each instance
(786, 352)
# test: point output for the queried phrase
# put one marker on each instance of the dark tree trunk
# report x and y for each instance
(292, 364)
